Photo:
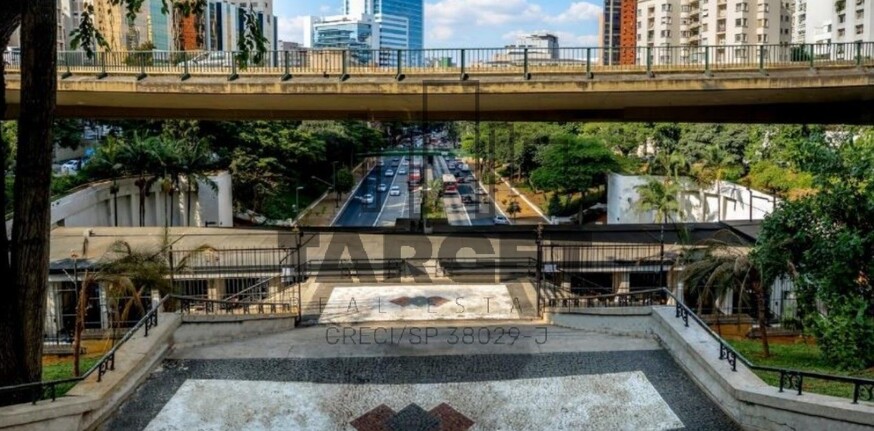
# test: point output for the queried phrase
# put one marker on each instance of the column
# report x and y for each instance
(216, 289)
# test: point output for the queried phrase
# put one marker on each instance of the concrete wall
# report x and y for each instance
(95, 206)
(201, 330)
(718, 202)
(90, 401)
(741, 394)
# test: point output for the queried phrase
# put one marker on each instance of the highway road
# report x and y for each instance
(478, 213)
(357, 212)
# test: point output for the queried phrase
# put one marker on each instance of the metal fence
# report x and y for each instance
(520, 61)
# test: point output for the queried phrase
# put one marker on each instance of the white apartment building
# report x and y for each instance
(812, 21)
(730, 26)
(853, 20)
(68, 20)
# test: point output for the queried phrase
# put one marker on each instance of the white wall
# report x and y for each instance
(718, 202)
(94, 205)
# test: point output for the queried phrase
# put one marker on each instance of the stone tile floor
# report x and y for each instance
(633, 389)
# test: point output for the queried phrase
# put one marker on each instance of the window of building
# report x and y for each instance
(763, 38)
(842, 17)
(742, 7)
(666, 33)
(841, 32)
(740, 22)
(860, 14)
(639, 24)
(860, 28)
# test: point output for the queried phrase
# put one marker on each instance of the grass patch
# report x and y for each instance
(801, 356)
(64, 370)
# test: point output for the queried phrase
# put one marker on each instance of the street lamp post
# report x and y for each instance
(539, 271)
(298, 237)
(297, 201)
(334, 185)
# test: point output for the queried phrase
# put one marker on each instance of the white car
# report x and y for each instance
(382, 187)
(395, 191)
(402, 171)
(70, 167)
(367, 199)
(389, 173)
(499, 219)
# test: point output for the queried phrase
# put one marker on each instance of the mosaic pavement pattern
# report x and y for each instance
(632, 390)
(385, 303)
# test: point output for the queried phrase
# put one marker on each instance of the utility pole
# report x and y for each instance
(539, 271)
(298, 272)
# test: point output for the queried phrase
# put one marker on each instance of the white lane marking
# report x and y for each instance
(388, 192)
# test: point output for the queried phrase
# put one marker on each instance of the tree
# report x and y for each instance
(513, 208)
(825, 242)
(137, 154)
(107, 162)
(553, 207)
(345, 181)
(659, 196)
(24, 266)
(722, 267)
(570, 164)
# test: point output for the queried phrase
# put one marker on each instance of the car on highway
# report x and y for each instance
(481, 192)
(402, 171)
(395, 191)
(389, 173)
(467, 199)
(367, 199)
(469, 179)
(382, 187)
(70, 167)
(499, 219)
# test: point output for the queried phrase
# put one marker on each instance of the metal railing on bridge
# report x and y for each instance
(463, 62)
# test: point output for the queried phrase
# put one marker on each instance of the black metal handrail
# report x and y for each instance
(105, 364)
(215, 306)
(863, 389)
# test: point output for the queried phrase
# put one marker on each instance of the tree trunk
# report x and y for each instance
(81, 307)
(9, 18)
(760, 301)
(188, 204)
(22, 326)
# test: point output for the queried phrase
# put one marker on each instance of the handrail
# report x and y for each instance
(105, 364)
(343, 63)
(789, 378)
(214, 305)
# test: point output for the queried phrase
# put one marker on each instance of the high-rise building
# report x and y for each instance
(627, 32)
(358, 34)
(401, 22)
(852, 20)
(723, 24)
(610, 29)
(68, 20)
(541, 45)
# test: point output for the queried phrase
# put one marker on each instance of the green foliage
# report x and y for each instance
(570, 164)
(661, 197)
(768, 176)
(799, 54)
(825, 241)
(252, 45)
(68, 132)
(554, 206)
(85, 36)
(345, 180)
(513, 208)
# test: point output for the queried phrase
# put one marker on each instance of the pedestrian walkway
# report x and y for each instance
(507, 376)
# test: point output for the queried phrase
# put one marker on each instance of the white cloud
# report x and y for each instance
(578, 11)
(291, 28)
(447, 19)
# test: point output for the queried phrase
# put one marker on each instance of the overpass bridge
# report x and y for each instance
(831, 83)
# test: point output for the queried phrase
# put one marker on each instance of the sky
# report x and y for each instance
(471, 23)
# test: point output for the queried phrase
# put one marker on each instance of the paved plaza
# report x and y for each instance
(465, 377)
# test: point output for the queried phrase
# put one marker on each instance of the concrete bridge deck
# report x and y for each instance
(826, 94)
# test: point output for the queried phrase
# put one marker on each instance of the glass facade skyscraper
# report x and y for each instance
(412, 10)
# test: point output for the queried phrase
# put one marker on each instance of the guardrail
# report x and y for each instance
(520, 61)
(193, 305)
(37, 390)
(790, 379)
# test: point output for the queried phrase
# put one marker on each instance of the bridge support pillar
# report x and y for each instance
(287, 75)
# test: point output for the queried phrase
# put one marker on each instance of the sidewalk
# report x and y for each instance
(503, 195)
(323, 213)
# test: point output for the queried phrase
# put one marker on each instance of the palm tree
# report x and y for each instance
(722, 266)
(137, 154)
(660, 197)
(194, 161)
(107, 161)
(167, 159)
